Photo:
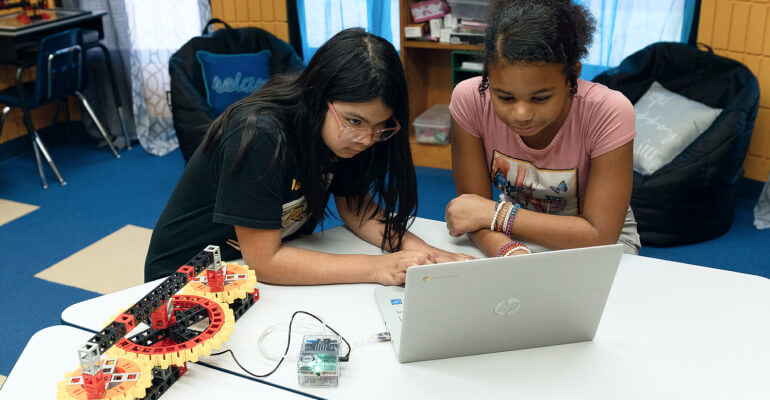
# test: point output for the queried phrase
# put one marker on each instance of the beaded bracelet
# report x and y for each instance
(509, 222)
(520, 247)
(501, 216)
(508, 210)
(494, 218)
(504, 249)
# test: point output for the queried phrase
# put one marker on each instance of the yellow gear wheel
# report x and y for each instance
(239, 282)
(221, 324)
(129, 380)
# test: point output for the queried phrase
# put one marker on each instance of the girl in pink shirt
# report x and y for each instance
(559, 148)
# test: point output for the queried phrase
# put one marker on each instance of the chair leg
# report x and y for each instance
(39, 164)
(39, 147)
(123, 128)
(66, 102)
(115, 93)
(55, 114)
(4, 114)
(96, 121)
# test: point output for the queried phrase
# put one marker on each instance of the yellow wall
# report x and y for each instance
(269, 15)
(741, 32)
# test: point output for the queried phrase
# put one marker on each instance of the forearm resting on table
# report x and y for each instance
(550, 231)
(560, 231)
(293, 266)
(368, 227)
(372, 231)
(488, 241)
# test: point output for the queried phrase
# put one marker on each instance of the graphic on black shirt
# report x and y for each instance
(293, 216)
(550, 191)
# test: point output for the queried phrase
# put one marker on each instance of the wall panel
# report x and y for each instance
(269, 15)
(741, 33)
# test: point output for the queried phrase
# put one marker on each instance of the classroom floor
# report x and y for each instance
(66, 244)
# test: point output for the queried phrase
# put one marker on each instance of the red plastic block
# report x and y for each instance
(94, 385)
(128, 320)
(216, 280)
(160, 318)
(186, 269)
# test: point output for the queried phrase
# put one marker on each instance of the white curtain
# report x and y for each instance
(156, 30)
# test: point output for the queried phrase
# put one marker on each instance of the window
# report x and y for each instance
(380, 17)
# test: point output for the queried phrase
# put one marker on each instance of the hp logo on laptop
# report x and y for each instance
(507, 306)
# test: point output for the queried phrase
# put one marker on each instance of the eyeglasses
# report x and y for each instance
(378, 133)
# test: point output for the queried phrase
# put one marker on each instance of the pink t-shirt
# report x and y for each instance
(554, 179)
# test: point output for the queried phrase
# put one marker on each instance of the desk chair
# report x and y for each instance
(91, 41)
(60, 73)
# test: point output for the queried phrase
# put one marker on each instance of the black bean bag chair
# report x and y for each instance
(692, 198)
(191, 113)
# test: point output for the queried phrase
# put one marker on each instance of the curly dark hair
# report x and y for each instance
(552, 31)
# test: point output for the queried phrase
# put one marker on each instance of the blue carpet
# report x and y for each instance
(105, 194)
(742, 249)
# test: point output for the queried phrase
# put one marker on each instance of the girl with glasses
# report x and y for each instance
(269, 164)
(560, 149)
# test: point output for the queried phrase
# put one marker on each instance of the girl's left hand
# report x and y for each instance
(468, 213)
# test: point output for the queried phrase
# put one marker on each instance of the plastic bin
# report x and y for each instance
(470, 9)
(432, 126)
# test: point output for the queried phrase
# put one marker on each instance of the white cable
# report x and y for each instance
(379, 337)
(311, 328)
(297, 329)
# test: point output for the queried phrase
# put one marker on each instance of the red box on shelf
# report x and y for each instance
(430, 9)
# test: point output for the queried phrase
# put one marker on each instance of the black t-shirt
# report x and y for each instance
(211, 198)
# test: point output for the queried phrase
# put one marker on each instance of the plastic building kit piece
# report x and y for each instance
(150, 361)
(163, 354)
(163, 316)
(238, 282)
(121, 379)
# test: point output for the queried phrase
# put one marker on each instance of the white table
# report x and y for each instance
(52, 352)
(669, 330)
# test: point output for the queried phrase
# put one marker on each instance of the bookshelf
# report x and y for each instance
(428, 68)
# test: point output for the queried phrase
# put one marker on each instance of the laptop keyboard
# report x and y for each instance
(398, 307)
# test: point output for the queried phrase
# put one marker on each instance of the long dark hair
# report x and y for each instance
(353, 66)
(552, 31)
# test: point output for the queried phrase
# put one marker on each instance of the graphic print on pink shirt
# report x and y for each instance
(544, 190)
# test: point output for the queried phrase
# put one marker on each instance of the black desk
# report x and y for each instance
(18, 44)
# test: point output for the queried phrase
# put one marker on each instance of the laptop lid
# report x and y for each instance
(504, 303)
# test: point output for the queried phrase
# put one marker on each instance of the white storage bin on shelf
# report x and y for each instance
(470, 9)
(432, 126)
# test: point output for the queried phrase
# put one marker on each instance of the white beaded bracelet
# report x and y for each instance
(520, 247)
(494, 217)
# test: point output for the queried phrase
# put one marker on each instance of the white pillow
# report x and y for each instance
(666, 123)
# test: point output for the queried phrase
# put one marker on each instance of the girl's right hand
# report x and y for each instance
(468, 213)
(390, 269)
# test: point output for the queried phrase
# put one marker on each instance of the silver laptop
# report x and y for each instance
(499, 304)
